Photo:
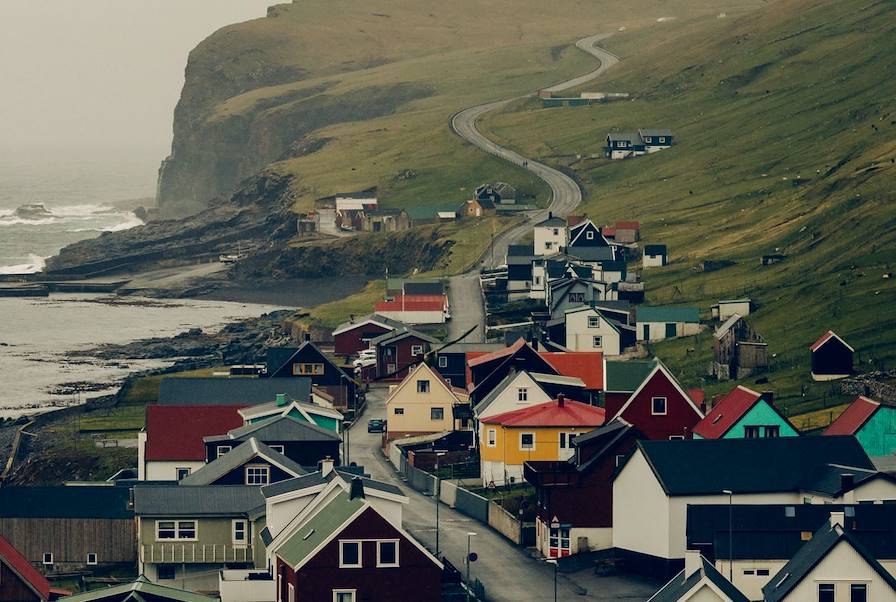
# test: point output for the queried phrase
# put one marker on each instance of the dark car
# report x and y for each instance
(376, 426)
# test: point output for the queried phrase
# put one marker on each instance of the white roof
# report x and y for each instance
(350, 203)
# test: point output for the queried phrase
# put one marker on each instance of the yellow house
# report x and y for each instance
(422, 403)
(540, 432)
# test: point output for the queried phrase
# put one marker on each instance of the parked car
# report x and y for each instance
(376, 425)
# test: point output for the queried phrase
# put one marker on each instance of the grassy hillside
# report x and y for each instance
(786, 143)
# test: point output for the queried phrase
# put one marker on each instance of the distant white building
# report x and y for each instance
(726, 308)
(655, 256)
(550, 235)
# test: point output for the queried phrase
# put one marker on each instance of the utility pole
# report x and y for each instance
(730, 495)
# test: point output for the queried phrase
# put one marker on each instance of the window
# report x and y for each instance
(258, 474)
(165, 572)
(556, 231)
(658, 406)
(492, 435)
(436, 413)
(422, 386)
(349, 554)
(762, 572)
(576, 297)
(387, 553)
(222, 449)
(620, 458)
(749, 571)
(566, 440)
(773, 431)
(416, 349)
(522, 394)
(676, 437)
(790, 511)
(343, 595)
(662, 139)
(182, 472)
(527, 441)
(240, 532)
(443, 361)
(751, 432)
(597, 342)
(180, 529)
(278, 448)
(648, 139)
(858, 592)
(399, 411)
(559, 542)
(593, 321)
(92, 558)
(589, 235)
(291, 593)
(48, 558)
(825, 592)
(538, 280)
(562, 440)
(548, 245)
(307, 369)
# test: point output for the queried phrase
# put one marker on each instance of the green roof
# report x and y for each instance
(667, 314)
(140, 586)
(317, 530)
(627, 376)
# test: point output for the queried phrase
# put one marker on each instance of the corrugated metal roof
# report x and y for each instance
(551, 413)
(319, 528)
(667, 314)
(158, 593)
(223, 465)
(626, 376)
(854, 417)
(176, 432)
(203, 500)
(65, 501)
(279, 428)
(224, 390)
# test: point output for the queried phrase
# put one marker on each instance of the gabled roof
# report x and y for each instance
(65, 501)
(826, 338)
(606, 437)
(626, 376)
(586, 365)
(655, 132)
(412, 303)
(376, 319)
(812, 553)
(240, 455)
(789, 464)
(585, 226)
(152, 591)
(854, 417)
(667, 314)
(727, 412)
(551, 222)
(273, 408)
(202, 500)
(486, 401)
(402, 333)
(224, 390)
(19, 565)
(624, 136)
(660, 369)
(176, 432)
(494, 355)
(315, 478)
(681, 587)
(280, 357)
(628, 225)
(280, 428)
(550, 414)
(459, 395)
(328, 521)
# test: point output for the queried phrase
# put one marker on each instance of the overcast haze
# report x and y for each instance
(100, 76)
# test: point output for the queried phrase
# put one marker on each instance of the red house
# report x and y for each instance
(565, 525)
(19, 581)
(621, 379)
(660, 408)
(354, 336)
(400, 350)
(348, 552)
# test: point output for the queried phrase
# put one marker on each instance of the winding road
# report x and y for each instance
(465, 297)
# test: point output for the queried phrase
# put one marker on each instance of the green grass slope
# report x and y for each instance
(786, 143)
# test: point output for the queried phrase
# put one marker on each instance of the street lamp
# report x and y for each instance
(554, 562)
(730, 495)
(436, 493)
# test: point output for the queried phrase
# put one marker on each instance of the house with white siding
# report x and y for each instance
(654, 256)
(549, 235)
(658, 323)
(588, 328)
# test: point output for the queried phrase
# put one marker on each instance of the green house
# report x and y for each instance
(871, 422)
(744, 414)
(311, 413)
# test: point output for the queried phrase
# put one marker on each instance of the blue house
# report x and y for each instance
(871, 422)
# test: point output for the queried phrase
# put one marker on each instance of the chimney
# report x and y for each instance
(281, 400)
(837, 519)
(357, 489)
(561, 400)
(847, 481)
(306, 336)
(703, 408)
(692, 562)
(326, 466)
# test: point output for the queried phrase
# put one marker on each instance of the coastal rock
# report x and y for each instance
(33, 211)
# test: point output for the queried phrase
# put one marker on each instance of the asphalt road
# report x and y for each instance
(464, 296)
(507, 572)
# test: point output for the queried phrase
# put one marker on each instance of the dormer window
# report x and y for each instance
(258, 474)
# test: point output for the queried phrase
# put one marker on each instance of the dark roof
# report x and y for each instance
(424, 288)
(61, 501)
(313, 479)
(626, 136)
(708, 466)
(223, 390)
(592, 253)
(551, 221)
(654, 249)
(243, 453)
(401, 333)
(205, 500)
(280, 428)
(807, 558)
(520, 250)
(655, 132)
(279, 357)
(679, 586)
(467, 347)
(606, 437)
(29, 575)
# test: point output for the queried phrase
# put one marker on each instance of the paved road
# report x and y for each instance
(507, 572)
(565, 193)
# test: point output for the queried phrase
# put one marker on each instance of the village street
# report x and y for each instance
(507, 571)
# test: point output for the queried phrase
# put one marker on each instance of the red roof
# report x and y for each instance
(176, 432)
(608, 231)
(855, 416)
(474, 358)
(628, 225)
(726, 412)
(698, 396)
(575, 220)
(20, 565)
(827, 337)
(551, 413)
(587, 365)
(413, 303)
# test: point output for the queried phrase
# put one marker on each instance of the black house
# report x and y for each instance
(451, 361)
(308, 361)
(831, 357)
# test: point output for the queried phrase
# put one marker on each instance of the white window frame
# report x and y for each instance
(96, 558)
(308, 369)
(597, 341)
(416, 349)
(662, 139)
(443, 361)
(491, 439)
(522, 394)
(648, 139)
(533, 442)
(425, 386)
(379, 563)
(676, 437)
(278, 447)
(233, 525)
(177, 530)
(223, 449)
(44, 560)
(336, 593)
(431, 410)
(291, 593)
(589, 235)
(593, 321)
(250, 467)
(665, 411)
(360, 545)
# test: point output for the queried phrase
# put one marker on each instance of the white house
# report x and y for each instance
(652, 491)
(590, 329)
(698, 581)
(524, 389)
(655, 256)
(658, 323)
(550, 235)
(726, 308)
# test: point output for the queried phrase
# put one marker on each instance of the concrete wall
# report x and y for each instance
(505, 523)
(234, 586)
(653, 261)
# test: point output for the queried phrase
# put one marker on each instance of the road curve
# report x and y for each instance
(466, 304)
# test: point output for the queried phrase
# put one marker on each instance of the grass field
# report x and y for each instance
(786, 142)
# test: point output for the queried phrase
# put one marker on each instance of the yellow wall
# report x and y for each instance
(417, 406)
(507, 443)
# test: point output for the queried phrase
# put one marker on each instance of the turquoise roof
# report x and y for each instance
(667, 314)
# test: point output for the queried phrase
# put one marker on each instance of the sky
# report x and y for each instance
(100, 76)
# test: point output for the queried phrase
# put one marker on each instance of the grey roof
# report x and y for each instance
(552, 221)
(279, 428)
(278, 357)
(520, 250)
(401, 333)
(655, 132)
(223, 390)
(223, 465)
(626, 136)
(813, 552)
(65, 501)
(646, 313)
(469, 347)
(592, 253)
(266, 536)
(424, 288)
(207, 500)
(655, 249)
(679, 586)
(139, 590)
(313, 479)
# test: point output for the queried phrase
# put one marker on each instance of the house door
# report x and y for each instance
(646, 334)
(671, 330)
(558, 542)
